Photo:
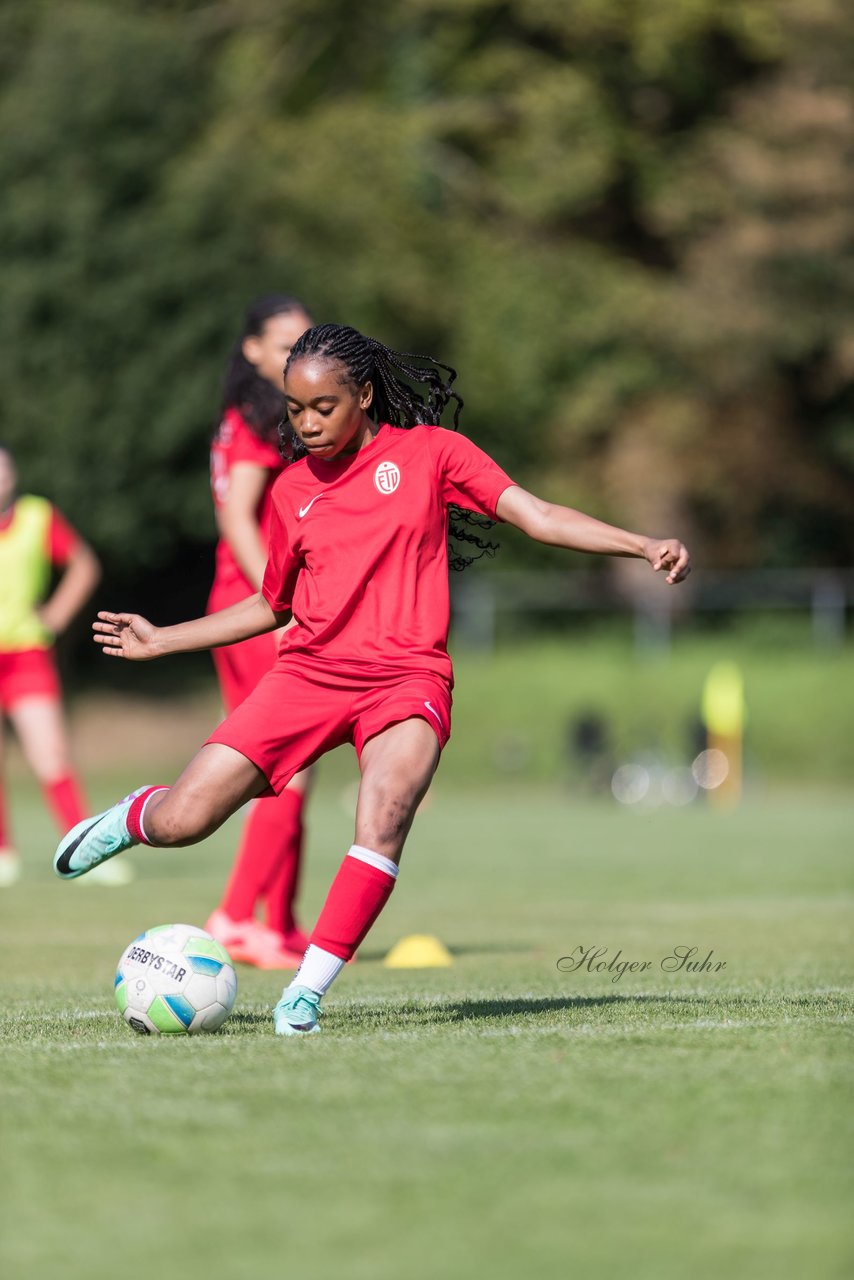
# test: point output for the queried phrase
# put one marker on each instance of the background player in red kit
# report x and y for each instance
(245, 461)
(33, 539)
(359, 558)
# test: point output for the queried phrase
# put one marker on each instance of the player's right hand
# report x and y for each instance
(126, 635)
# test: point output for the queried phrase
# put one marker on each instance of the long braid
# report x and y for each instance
(397, 402)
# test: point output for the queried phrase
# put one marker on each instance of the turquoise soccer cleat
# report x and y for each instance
(94, 840)
(297, 1012)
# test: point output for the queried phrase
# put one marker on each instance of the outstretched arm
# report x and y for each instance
(127, 635)
(563, 527)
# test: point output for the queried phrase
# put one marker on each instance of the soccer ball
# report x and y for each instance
(175, 979)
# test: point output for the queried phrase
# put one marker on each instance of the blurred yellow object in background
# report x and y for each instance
(418, 951)
(723, 714)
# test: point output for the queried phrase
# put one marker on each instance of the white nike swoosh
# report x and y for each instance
(435, 712)
(303, 511)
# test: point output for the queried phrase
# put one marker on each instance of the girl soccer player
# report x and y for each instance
(33, 539)
(359, 558)
(245, 461)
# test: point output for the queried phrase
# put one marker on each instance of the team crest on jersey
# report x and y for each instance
(387, 477)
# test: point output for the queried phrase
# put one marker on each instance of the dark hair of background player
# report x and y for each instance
(260, 403)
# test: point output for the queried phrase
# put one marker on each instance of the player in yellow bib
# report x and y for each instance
(34, 539)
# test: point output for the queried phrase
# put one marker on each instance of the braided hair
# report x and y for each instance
(257, 400)
(396, 401)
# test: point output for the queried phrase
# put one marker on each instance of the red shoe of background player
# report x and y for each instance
(250, 942)
(295, 940)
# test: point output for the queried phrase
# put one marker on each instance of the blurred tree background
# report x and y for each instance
(628, 223)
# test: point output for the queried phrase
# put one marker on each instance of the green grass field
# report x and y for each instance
(500, 1117)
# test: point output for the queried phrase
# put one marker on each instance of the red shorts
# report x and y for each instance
(298, 712)
(28, 673)
(239, 667)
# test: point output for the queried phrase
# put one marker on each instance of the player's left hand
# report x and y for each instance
(126, 635)
(668, 554)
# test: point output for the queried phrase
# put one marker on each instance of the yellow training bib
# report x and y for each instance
(24, 574)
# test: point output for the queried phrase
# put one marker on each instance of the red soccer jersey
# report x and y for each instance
(62, 540)
(358, 548)
(235, 441)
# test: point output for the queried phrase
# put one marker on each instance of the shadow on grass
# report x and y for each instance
(246, 1020)
(437, 1012)
(411, 1014)
(465, 1010)
(424, 1013)
(714, 1002)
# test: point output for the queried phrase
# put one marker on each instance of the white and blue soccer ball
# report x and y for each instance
(175, 979)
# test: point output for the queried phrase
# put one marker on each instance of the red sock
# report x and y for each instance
(65, 801)
(134, 819)
(357, 896)
(268, 859)
(5, 836)
(281, 891)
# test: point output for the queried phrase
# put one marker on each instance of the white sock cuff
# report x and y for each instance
(318, 970)
(374, 859)
(142, 814)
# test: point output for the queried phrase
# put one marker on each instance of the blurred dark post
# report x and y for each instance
(474, 612)
(589, 749)
(828, 611)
